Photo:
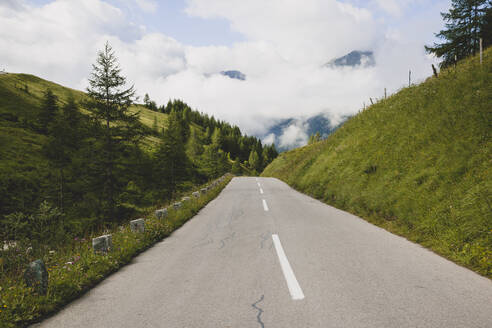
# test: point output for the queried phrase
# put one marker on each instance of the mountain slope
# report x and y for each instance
(418, 164)
(29, 176)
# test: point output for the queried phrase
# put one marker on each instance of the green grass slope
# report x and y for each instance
(418, 164)
(22, 164)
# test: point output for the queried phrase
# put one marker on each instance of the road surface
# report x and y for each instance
(263, 255)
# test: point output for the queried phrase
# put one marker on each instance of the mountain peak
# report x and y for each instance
(233, 74)
(353, 59)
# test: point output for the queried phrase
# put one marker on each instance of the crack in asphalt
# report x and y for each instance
(229, 237)
(208, 242)
(260, 311)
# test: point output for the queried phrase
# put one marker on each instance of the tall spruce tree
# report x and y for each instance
(109, 106)
(65, 138)
(49, 109)
(486, 31)
(463, 26)
(171, 161)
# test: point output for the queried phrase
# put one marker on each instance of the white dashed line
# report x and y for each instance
(265, 206)
(261, 191)
(294, 288)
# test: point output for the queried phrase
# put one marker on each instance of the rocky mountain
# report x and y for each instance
(353, 59)
(234, 75)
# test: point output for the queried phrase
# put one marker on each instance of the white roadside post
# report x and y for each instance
(102, 244)
(137, 225)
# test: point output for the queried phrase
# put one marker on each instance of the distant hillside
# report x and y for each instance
(354, 59)
(418, 164)
(294, 132)
(30, 172)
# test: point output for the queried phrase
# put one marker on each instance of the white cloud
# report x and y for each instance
(293, 136)
(269, 139)
(149, 6)
(391, 6)
(301, 32)
(286, 44)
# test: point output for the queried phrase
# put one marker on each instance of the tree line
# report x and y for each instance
(101, 173)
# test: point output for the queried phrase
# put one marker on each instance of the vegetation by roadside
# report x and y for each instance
(418, 164)
(74, 268)
(98, 159)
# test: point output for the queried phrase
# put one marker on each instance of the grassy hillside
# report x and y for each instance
(202, 149)
(418, 164)
(23, 168)
(21, 96)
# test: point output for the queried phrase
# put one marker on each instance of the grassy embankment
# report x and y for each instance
(418, 164)
(74, 268)
(18, 103)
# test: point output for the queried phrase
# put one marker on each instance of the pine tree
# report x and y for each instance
(146, 100)
(49, 109)
(64, 141)
(170, 159)
(486, 30)
(194, 146)
(236, 167)
(109, 104)
(214, 157)
(254, 160)
(463, 24)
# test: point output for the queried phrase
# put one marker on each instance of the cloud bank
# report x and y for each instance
(287, 42)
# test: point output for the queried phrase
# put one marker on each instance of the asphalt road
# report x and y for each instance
(226, 268)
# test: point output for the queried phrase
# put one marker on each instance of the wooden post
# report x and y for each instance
(409, 77)
(434, 70)
(371, 101)
(384, 93)
(481, 52)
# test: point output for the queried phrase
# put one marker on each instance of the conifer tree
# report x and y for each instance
(49, 109)
(463, 26)
(486, 31)
(194, 147)
(109, 105)
(146, 100)
(254, 160)
(64, 141)
(236, 167)
(171, 160)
